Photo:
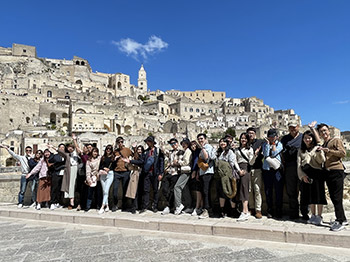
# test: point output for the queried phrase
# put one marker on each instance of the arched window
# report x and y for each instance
(197, 110)
(191, 109)
(49, 93)
(82, 63)
(79, 82)
(77, 63)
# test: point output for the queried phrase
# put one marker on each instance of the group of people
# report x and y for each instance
(237, 175)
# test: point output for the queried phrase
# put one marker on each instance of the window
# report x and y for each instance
(197, 110)
(24, 51)
(49, 94)
(191, 109)
(82, 63)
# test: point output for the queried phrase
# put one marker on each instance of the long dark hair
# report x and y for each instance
(136, 154)
(105, 154)
(303, 146)
(247, 137)
(93, 149)
(226, 149)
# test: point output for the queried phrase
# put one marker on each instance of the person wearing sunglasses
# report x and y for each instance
(121, 172)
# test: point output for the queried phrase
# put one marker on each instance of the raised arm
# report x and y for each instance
(76, 144)
(13, 154)
(312, 126)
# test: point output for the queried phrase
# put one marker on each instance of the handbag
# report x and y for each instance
(202, 164)
(185, 169)
(273, 162)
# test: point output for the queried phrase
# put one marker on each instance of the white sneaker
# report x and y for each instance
(53, 207)
(317, 221)
(106, 209)
(32, 205)
(312, 219)
(243, 217)
(204, 215)
(101, 211)
(38, 207)
(19, 205)
(166, 211)
(58, 205)
(179, 209)
(194, 213)
(345, 223)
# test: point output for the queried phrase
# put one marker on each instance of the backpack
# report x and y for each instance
(150, 161)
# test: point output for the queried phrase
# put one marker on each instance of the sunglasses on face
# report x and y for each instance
(172, 144)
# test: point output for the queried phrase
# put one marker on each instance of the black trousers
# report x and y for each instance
(56, 183)
(206, 180)
(149, 181)
(186, 195)
(335, 184)
(273, 182)
(123, 176)
(293, 186)
(168, 184)
(81, 188)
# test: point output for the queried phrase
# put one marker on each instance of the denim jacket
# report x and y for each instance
(267, 152)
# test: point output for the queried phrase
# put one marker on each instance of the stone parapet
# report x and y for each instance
(262, 229)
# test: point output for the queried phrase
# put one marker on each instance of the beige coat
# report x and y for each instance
(314, 158)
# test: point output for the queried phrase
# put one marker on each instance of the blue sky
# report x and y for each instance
(292, 54)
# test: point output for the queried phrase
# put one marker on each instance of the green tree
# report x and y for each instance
(230, 131)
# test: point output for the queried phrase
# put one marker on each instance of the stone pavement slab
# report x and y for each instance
(282, 231)
(101, 243)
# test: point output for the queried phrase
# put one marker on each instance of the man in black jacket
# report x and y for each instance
(152, 162)
(291, 144)
(256, 173)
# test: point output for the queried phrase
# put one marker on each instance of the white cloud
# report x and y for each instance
(135, 49)
(342, 102)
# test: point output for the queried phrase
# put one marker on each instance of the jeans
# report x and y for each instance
(34, 188)
(23, 187)
(125, 177)
(106, 182)
(180, 184)
(91, 191)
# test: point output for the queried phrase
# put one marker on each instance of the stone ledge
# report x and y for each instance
(271, 230)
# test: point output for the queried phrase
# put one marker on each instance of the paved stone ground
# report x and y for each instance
(29, 240)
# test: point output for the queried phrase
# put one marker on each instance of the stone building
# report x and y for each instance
(46, 99)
